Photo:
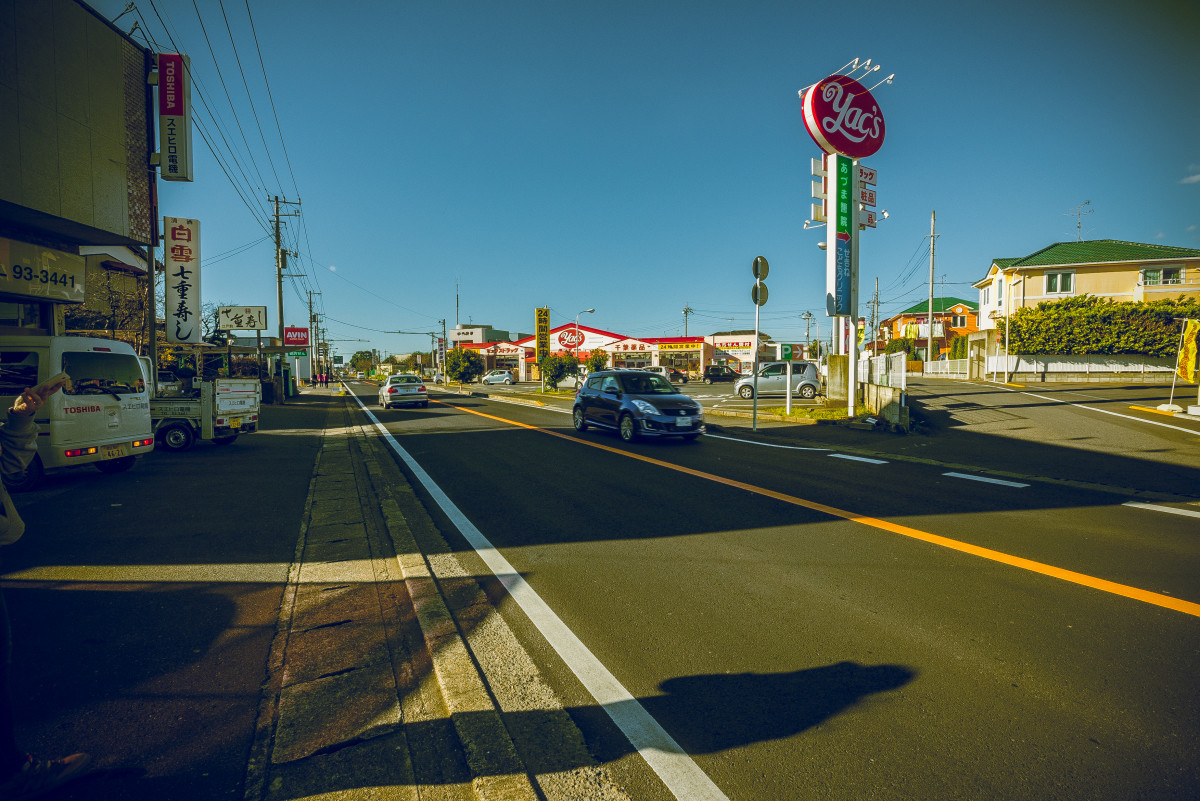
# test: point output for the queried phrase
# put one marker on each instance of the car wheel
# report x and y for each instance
(577, 419)
(508, 381)
(708, 381)
(628, 428)
(29, 480)
(746, 392)
(175, 438)
(116, 465)
(808, 391)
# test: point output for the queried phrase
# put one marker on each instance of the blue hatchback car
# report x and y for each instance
(636, 404)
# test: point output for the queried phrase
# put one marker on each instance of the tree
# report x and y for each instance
(361, 361)
(958, 348)
(463, 366)
(1088, 325)
(554, 369)
(900, 345)
(597, 360)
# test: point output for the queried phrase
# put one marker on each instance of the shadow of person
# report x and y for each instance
(715, 712)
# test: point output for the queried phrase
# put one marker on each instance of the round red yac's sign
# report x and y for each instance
(570, 338)
(842, 117)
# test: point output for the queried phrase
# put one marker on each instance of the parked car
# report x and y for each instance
(669, 373)
(403, 390)
(635, 404)
(496, 377)
(772, 380)
(714, 373)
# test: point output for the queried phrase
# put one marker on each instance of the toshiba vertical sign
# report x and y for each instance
(175, 116)
(182, 261)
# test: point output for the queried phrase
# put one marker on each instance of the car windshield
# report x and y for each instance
(647, 384)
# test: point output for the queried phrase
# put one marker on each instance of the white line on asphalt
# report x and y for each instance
(999, 481)
(1106, 411)
(1169, 509)
(857, 458)
(678, 771)
(764, 444)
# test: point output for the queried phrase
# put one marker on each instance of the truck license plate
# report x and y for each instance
(114, 451)
(235, 422)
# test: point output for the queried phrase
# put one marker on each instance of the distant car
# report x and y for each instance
(636, 404)
(772, 380)
(669, 373)
(403, 390)
(714, 373)
(439, 378)
(496, 377)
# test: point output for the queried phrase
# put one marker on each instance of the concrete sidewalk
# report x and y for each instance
(373, 690)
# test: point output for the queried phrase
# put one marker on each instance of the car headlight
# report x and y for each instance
(645, 407)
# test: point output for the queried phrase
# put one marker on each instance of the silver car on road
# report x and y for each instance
(772, 380)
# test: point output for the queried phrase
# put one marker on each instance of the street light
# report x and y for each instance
(577, 339)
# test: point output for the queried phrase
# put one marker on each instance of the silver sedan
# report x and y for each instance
(403, 390)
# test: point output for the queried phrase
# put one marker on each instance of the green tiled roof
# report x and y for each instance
(1099, 251)
(1004, 264)
(941, 305)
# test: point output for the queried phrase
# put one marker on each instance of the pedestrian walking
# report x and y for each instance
(23, 775)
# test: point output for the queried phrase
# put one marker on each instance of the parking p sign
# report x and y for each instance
(791, 352)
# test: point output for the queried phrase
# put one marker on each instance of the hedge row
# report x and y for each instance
(1089, 325)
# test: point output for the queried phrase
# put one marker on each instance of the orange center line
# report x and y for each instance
(1082, 579)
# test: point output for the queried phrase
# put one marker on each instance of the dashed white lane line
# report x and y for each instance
(764, 444)
(857, 458)
(985, 479)
(1168, 509)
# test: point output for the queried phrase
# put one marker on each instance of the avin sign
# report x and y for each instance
(842, 116)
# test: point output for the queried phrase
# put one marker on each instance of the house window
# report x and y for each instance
(958, 321)
(1060, 283)
(985, 296)
(1162, 276)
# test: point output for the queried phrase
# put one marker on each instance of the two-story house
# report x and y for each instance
(1107, 268)
(952, 317)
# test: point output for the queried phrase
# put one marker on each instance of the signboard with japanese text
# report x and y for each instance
(181, 256)
(175, 116)
(242, 318)
(542, 329)
(40, 272)
(840, 282)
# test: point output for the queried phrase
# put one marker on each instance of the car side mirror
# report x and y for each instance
(610, 391)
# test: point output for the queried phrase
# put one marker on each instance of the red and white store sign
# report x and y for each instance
(570, 338)
(295, 336)
(842, 116)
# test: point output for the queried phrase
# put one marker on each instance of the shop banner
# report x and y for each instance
(182, 259)
(175, 116)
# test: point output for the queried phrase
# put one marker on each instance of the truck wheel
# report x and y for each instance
(176, 438)
(116, 465)
(226, 440)
(31, 479)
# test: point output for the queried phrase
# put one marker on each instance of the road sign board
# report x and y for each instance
(758, 293)
(760, 268)
(866, 175)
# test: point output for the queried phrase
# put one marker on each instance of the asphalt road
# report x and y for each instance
(809, 621)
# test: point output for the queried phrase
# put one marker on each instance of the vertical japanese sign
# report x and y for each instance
(175, 116)
(840, 281)
(542, 328)
(182, 260)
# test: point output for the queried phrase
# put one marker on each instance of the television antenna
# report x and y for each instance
(1078, 212)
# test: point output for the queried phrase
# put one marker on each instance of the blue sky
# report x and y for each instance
(634, 157)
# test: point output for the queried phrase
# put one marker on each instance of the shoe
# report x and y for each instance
(38, 776)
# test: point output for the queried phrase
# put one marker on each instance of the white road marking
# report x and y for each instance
(999, 481)
(1169, 509)
(764, 444)
(857, 458)
(678, 771)
(1106, 411)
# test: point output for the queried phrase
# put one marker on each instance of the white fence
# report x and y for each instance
(888, 370)
(947, 368)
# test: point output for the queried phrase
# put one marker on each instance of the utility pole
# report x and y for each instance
(929, 355)
(807, 317)
(875, 318)
(280, 266)
(687, 310)
(313, 348)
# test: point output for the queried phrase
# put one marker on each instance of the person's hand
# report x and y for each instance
(31, 400)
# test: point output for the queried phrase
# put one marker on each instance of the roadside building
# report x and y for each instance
(1106, 268)
(952, 317)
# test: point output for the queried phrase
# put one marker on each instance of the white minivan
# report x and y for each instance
(103, 419)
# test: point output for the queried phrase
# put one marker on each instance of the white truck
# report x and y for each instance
(217, 410)
(101, 418)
